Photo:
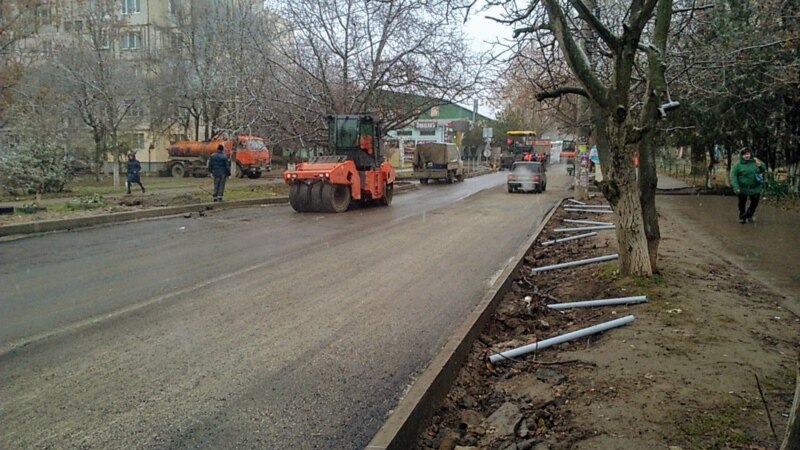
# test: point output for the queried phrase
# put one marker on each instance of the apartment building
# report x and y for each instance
(135, 35)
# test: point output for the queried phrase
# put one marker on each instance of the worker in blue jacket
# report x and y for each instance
(132, 173)
(220, 168)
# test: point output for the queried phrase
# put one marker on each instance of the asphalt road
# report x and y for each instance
(246, 328)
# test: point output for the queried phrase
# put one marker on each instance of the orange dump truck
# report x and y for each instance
(190, 157)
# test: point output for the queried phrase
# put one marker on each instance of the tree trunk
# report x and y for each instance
(99, 152)
(648, 181)
(791, 440)
(622, 191)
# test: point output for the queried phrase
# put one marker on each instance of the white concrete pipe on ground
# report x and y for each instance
(586, 222)
(536, 346)
(602, 302)
(579, 236)
(594, 227)
(575, 201)
(576, 263)
(599, 211)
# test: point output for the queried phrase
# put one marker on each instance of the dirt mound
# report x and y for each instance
(685, 374)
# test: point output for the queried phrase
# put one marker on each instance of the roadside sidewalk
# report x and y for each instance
(769, 249)
(666, 183)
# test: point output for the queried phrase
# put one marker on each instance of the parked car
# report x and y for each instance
(527, 176)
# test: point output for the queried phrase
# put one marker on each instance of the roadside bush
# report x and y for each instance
(33, 165)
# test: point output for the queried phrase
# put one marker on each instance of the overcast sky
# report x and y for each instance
(482, 31)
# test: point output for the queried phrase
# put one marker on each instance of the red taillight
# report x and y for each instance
(512, 177)
(537, 178)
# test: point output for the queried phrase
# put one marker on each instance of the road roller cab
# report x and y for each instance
(355, 171)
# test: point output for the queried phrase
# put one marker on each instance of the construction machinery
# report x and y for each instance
(355, 171)
(519, 143)
(190, 157)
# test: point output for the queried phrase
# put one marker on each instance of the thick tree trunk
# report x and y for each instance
(656, 92)
(622, 191)
(648, 181)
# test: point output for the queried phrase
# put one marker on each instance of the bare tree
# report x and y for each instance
(100, 85)
(393, 58)
(610, 83)
(18, 21)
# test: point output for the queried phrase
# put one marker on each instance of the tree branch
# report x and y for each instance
(562, 90)
(531, 29)
(605, 34)
(694, 8)
(575, 54)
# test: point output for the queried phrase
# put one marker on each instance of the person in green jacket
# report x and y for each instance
(747, 180)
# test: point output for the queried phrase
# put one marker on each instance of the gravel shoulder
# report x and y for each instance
(709, 361)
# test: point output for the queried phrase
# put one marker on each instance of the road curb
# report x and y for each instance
(46, 226)
(416, 408)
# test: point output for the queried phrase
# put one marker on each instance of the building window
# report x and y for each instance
(133, 108)
(101, 39)
(175, 7)
(175, 40)
(137, 141)
(131, 6)
(76, 26)
(404, 132)
(47, 47)
(434, 111)
(44, 15)
(131, 40)
(427, 132)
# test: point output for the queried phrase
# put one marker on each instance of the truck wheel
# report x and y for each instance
(240, 171)
(449, 177)
(423, 181)
(388, 194)
(177, 170)
(460, 177)
(254, 175)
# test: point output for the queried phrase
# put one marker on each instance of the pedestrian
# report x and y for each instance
(132, 175)
(747, 180)
(220, 168)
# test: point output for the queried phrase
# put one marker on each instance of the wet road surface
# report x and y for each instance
(768, 248)
(251, 328)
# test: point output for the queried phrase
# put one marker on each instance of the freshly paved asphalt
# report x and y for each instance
(255, 327)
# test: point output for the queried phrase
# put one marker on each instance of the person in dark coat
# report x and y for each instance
(220, 168)
(747, 180)
(133, 169)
